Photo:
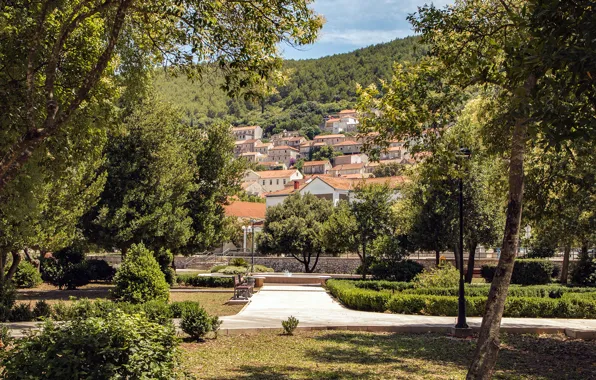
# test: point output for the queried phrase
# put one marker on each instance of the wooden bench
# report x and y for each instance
(241, 288)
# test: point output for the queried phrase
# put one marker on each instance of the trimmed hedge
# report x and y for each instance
(383, 285)
(520, 307)
(525, 272)
(205, 281)
(357, 298)
(532, 301)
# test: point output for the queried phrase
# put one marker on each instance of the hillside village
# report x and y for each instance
(287, 162)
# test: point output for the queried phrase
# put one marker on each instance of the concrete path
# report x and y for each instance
(316, 309)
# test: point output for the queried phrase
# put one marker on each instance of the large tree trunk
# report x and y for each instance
(16, 259)
(470, 272)
(364, 263)
(565, 268)
(437, 257)
(3, 257)
(487, 349)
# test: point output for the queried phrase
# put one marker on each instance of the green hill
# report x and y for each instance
(316, 88)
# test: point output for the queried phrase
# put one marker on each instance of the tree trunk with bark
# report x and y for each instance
(487, 349)
(471, 258)
(437, 257)
(565, 268)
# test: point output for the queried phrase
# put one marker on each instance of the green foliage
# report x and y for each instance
(289, 325)
(42, 310)
(216, 268)
(115, 346)
(8, 297)
(100, 270)
(26, 276)
(383, 285)
(405, 270)
(584, 272)
(445, 277)
(357, 298)
(67, 268)
(262, 269)
(295, 227)
(205, 281)
(233, 270)
(239, 262)
(388, 170)
(315, 88)
(525, 272)
(139, 278)
(21, 312)
(197, 323)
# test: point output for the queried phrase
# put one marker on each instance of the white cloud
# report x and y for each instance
(362, 37)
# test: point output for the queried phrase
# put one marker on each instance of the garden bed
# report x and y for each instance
(544, 301)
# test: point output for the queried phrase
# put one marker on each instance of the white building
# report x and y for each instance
(248, 133)
(273, 180)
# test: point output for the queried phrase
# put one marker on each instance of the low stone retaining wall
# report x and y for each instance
(345, 265)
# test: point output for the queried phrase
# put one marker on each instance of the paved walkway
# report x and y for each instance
(315, 308)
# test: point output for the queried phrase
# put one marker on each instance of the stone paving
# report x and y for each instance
(315, 308)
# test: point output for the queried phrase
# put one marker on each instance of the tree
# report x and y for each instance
(295, 227)
(372, 210)
(536, 70)
(388, 170)
(59, 57)
(325, 152)
(150, 171)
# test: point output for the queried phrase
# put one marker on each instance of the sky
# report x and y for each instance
(353, 24)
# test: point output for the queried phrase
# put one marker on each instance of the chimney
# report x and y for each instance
(296, 185)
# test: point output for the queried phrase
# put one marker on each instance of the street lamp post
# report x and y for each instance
(461, 328)
(252, 249)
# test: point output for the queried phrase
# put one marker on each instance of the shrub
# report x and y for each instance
(139, 278)
(5, 337)
(197, 323)
(584, 272)
(532, 272)
(164, 258)
(525, 272)
(404, 270)
(239, 262)
(383, 285)
(358, 299)
(8, 297)
(42, 310)
(119, 346)
(67, 268)
(26, 276)
(444, 277)
(233, 270)
(290, 325)
(179, 308)
(262, 269)
(217, 268)
(100, 270)
(205, 281)
(21, 313)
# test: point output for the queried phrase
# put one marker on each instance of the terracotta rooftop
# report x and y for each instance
(315, 163)
(284, 147)
(348, 143)
(247, 128)
(295, 138)
(338, 183)
(349, 166)
(246, 210)
(322, 137)
(276, 173)
(347, 111)
(332, 120)
(251, 141)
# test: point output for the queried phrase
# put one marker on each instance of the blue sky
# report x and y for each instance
(352, 24)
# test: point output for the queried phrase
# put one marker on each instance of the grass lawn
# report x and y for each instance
(360, 355)
(214, 303)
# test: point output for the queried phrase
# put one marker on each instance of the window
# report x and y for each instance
(263, 182)
(285, 181)
(270, 182)
(277, 181)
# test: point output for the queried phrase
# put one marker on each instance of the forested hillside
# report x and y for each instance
(315, 88)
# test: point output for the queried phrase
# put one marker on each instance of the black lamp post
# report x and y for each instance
(252, 248)
(461, 310)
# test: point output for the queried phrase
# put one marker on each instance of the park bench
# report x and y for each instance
(242, 289)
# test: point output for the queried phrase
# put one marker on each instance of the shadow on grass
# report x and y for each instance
(520, 355)
(91, 292)
(265, 372)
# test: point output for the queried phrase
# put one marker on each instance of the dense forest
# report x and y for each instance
(313, 89)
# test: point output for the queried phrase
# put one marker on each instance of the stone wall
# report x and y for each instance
(339, 265)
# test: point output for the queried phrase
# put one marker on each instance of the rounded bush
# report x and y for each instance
(139, 279)
(197, 323)
(584, 272)
(42, 310)
(445, 277)
(26, 276)
(119, 346)
(404, 270)
(205, 281)
(239, 262)
(100, 270)
(21, 313)
(67, 268)
(525, 272)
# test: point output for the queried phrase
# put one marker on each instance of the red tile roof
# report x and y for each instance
(247, 128)
(276, 173)
(284, 147)
(315, 163)
(246, 210)
(323, 137)
(347, 111)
